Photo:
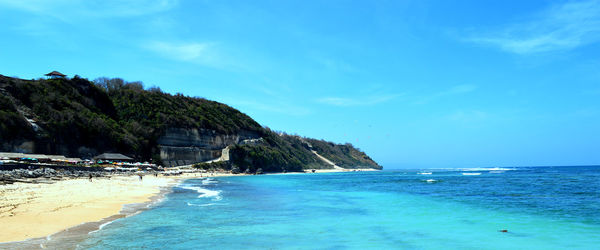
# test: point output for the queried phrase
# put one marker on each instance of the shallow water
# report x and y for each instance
(542, 208)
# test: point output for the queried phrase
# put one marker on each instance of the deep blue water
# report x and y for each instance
(542, 208)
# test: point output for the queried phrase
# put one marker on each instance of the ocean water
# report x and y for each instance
(541, 208)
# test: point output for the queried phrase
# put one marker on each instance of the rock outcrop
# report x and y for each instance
(181, 146)
(79, 118)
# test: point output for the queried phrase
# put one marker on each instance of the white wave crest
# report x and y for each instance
(208, 181)
(204, 193)
(486, 169)
(204, 205)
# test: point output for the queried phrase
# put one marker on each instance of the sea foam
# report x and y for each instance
(204, 205)
(208, 181)
(204, 193)
(486, 169)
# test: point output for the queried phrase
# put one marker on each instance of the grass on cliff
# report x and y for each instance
(77, 117)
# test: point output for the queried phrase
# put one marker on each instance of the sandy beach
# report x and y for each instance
(37, 210)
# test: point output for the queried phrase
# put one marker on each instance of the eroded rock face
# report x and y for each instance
(187, 146)
(177, 156)
(21, 146)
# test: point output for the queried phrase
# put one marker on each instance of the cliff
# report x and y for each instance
(78, 118)
(179, 146)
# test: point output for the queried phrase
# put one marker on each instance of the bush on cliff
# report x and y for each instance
(76, 117)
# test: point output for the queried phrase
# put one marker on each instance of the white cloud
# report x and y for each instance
(454, 90)
(458, 89)
(334, 64)
(560, 27)
(273, 106)
(346, 102)
(468, 115)
(70, 10)
(183, 52)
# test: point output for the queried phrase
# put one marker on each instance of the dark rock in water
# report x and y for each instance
(259, 171)
(503, 231)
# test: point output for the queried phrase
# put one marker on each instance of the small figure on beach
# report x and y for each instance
(90, 177)
(140, 177)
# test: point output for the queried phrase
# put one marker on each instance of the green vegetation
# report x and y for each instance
(146, 114)
(80, 118)
(213, 166)
(346, 155)
(275, 153)
(77, 117)
(69, 113)
(12, 125)
(282, 152)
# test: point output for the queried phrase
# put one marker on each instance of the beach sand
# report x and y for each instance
(30, 211)
(37, 210)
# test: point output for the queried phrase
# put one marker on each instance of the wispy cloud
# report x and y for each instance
(468, 115)
(454, 90)
(210, 54)
(334, 64)
(181, 51)
(276, 106)
(364, 101)
(457, 89)
(560, 27)
(66, 21)
(66, 10)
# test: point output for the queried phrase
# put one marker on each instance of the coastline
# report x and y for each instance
(62, 214)
(34, 211)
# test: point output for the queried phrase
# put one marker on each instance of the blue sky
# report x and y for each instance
(412, 83)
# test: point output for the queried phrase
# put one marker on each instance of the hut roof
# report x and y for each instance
(112, 156)
(11, 155)
(73, 159)
(56, 157)
(36, 156)
(56, 73)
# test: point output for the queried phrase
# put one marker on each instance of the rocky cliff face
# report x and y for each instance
(179, 146)
(78, 118)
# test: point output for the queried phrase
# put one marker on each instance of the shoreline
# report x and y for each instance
(36, 211)
(70, 237)
(84, 214)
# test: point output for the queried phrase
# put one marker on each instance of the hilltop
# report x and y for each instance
(80, 118)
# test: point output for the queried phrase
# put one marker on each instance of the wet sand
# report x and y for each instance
(36, 210)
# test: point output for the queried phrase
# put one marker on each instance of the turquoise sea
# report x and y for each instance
(541, 208)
